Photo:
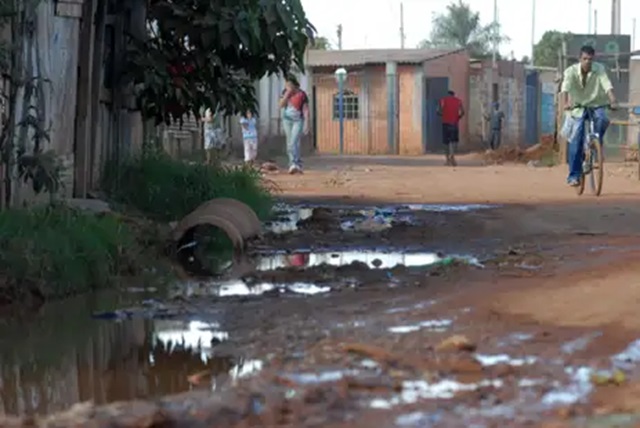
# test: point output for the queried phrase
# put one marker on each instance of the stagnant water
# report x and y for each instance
(64, 356)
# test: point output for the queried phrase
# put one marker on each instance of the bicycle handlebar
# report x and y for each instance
(574, 106)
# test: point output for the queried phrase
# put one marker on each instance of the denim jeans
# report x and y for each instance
(576, 141)
(293, 132)
(495, 138)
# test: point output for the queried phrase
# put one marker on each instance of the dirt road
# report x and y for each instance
(386, 299)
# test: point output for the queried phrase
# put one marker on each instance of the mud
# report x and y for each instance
(494, 306)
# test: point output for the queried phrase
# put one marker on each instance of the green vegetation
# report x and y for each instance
(460, 27)
(54, 251)
(166, 189)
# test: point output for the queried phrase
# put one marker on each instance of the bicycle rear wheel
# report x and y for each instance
(596, 177)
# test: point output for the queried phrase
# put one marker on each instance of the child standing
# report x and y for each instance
(249, 137)
(213, 133)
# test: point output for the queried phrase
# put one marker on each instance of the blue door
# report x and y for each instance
(435, 89)
(531, 111)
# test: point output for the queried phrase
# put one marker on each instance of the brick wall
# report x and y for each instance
(510, 78)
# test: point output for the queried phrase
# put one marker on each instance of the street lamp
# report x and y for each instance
(341, 76)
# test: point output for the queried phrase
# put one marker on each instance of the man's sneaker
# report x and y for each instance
(573, 182)
(453, 161)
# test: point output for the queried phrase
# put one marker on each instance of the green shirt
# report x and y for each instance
(593, 93)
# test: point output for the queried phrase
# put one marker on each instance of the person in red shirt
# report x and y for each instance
(451, 110)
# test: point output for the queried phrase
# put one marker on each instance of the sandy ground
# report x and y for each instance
(559, 286)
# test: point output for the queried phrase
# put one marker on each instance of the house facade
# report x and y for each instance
(527, 96)
(390, 99)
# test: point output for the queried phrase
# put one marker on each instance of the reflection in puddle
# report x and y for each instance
(580, 344)
(196, 335)
(68, 357)
(317, 378)
(414, 391)
(421, 305)
(448, 208)
(373, 259)
(433, 325)
(629, 358)
(494, 360)
(515, 339)
(579, 387)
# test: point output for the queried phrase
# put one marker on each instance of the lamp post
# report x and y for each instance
(341, 75)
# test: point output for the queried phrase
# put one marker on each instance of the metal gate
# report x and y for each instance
(531, 110)
(435, 89)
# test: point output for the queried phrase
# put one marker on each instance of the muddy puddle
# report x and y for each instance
(290, 218)
(67, 356)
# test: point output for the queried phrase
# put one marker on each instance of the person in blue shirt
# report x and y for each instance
(249, 137)
(495, 119)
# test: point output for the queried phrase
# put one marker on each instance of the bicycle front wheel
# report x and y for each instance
(596, 178)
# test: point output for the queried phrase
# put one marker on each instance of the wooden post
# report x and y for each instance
(560, 104)
(82, 163)
(96, 141)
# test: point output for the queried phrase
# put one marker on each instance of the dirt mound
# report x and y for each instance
(518, 154)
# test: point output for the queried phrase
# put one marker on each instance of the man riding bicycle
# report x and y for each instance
(585, 84)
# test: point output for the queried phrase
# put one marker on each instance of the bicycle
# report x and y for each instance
(593, 161)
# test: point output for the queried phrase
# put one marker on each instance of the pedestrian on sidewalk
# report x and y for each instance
(249, 137)
(451, 110)
(295, 120)
(495, 119)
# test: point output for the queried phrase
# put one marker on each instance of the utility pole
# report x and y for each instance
(616, 17)
(495, 33)
(633, 35)
(339, 34)
(590, 16)
(595, 22)
(533, 31)
(402, 36)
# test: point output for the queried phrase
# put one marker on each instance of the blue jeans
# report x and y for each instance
(576, 141)
(293, 132)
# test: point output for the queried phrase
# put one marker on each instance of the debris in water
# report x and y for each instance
(287, 218)
(602, 378)
(579, 387)
(629, 358)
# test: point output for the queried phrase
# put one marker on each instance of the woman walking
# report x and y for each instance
(295, 121)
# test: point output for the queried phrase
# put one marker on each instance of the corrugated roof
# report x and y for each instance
(337, 58)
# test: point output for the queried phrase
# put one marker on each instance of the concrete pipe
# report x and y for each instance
(201, 219)
(240, 213)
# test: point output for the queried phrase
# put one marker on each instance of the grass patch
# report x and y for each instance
(166, 189)
(56, 251)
